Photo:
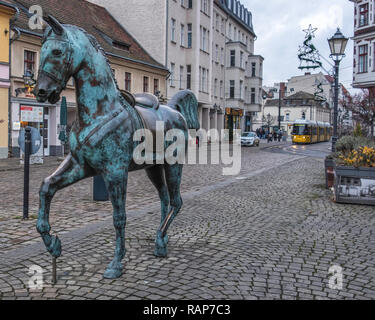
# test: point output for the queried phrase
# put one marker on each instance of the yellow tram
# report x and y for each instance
(306, 132)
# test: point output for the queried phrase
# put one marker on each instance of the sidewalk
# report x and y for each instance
(11, 164)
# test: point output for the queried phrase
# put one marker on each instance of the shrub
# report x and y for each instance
(346, 144)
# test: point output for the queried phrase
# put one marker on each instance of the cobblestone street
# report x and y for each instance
(271, 232)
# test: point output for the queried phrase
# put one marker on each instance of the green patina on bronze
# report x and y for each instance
(101, 140)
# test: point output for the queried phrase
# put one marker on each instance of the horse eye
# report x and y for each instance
(56, 52)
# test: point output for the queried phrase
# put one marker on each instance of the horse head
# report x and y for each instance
(57, 62)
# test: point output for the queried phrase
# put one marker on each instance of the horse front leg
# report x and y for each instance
(116, 186)
(69, 172)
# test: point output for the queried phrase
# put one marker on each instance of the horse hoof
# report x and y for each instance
(55, 248)
(161, 252)
(113, 273)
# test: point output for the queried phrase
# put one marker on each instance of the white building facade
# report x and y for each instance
(194, 39)
(364, 44)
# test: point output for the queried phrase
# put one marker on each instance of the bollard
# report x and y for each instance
(26, 173)
(54, 272)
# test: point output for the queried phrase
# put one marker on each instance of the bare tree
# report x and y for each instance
(362, 106)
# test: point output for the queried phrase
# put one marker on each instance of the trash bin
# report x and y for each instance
(100, 192)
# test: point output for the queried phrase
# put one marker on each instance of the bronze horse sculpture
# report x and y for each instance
(101, 140)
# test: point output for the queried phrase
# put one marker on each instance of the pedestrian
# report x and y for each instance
(280, 135)
(269, 137)
(274, 136)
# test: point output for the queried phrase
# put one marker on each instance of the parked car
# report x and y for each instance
(250, 139)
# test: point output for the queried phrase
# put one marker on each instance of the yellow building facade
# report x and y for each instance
(6, 12)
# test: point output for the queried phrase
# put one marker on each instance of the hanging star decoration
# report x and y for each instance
(307, 54)
(318, 93)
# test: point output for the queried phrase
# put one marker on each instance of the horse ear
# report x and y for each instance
(55, 25)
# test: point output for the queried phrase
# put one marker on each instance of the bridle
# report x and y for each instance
(61, 81)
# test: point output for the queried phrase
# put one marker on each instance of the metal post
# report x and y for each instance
(26, 173)
(279, 110)
(335, 106)
(54, 272)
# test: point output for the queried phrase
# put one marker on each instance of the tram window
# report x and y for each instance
(300, 130)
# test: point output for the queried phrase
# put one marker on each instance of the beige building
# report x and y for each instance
(301, 105)
(6, 13)
(194, 40)
(135, 70)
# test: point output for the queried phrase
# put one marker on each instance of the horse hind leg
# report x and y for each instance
(173, 175)
(157, 177)
(116, 186)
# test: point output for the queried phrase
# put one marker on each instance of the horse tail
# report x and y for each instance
(187, 104)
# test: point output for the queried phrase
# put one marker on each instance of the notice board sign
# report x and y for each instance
(31, 114)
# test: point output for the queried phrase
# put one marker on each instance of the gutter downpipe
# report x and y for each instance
(166, 47)
(11, 22)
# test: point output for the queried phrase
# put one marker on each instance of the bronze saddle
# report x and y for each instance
(146, 105)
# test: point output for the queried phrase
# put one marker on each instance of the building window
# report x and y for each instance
(241, 89)
(230, 31)
(204, 39)
(29, 61)
(156, 86)
(217, 58)
(145, 84)
(252, 97)
(190, 4)
(205, 6)
(188, 76)
(217, 22)
(287, 117)
(204, 79)
(171, 77)
(363, 15)
(233, 58)
(173, 30)
(222, 25)
(190, 35)
(253, 69)
(241, 59)
(128, 81)
(183, 3)
(231, 89)
(235, 34)
(215, 88)
(363, 58)
(182, 35)
(181, 77)
(221, 89)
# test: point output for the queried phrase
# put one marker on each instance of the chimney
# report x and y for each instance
(282, 90)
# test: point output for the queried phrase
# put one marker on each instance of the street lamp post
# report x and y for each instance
(337, 45)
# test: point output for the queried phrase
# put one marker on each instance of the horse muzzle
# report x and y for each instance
(42, 95)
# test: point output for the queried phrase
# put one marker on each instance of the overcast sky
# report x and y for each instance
(278, 25)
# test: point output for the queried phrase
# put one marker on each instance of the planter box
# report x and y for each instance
(329, 165)
(355, 185)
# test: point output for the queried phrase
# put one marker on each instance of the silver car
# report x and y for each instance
(249, 139)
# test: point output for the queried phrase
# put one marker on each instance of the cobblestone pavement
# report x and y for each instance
(270, 233)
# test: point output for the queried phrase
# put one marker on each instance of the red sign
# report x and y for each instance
(23, 108)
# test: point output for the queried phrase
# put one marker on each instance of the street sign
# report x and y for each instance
(36, 140)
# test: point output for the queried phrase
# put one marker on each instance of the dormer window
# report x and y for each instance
(120, 45)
